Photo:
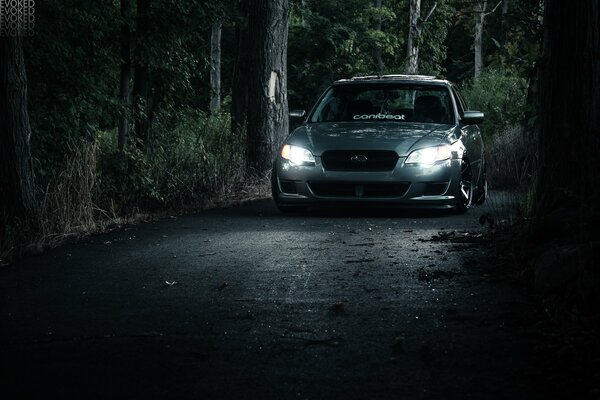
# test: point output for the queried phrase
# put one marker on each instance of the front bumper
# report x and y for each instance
(407, 185)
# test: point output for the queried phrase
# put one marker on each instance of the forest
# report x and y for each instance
(143, 106)
(152, 107)
(128, 111)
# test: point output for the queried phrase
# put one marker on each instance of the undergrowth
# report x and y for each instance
(193, 165)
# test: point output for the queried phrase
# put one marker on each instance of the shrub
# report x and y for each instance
(68, 202)
(510, 158)
(501, 96)
(199, 157)
(192, 156)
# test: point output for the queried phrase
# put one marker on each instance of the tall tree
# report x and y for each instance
(414, 33)
(16, 174)
(268, 111)
(412, 44)
(140, 67)
(125, 75)
(215, 67)
(569, 98)
(504, 22)
(239, 86)
(377, 51)
(479, 11)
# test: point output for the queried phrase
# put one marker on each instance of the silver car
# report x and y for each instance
(393, 140)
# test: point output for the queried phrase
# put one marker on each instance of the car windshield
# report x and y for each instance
(385, 102)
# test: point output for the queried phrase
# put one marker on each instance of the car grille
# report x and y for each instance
(359, 160)
(336, 189)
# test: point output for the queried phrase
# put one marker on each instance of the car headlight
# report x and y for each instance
(297, 155)
(430, 155)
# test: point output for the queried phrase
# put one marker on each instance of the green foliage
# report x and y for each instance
(433, 48)
(511, 41)
(329, 41)
(501, 96)
(193, 159)
(72, 67)
(515, 43)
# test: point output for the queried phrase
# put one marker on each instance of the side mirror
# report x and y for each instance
(297, 114)
(472, 117)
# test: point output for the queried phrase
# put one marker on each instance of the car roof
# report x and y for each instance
(393, 79)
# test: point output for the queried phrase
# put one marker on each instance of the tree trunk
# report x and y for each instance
(140, 69)
(377, 53)
(268, 111)
(16, 173)
(414, 31)
(125, 76)
(480, 7)
(569, 99)
(215, 67)
(504, 24)
(239, 89)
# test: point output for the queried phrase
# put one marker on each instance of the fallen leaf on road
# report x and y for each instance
(171, 283)
(338, 308)
(222, 285)
(206, 254)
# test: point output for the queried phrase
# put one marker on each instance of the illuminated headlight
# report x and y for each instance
(297, 155)
(430, 155)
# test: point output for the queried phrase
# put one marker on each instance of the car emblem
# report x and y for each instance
(358, 158)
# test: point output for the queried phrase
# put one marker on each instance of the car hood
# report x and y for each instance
(400, 137)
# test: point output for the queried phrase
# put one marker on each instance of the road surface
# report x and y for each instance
(247, 303)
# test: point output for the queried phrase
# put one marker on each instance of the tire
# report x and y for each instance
(275, 194)
(464, 197)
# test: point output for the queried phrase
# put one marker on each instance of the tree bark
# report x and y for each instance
(17, 195)
(412, 44)
(239, 89)
(140, 79)
(268, 111)
(504, 23)
(569, 99)
(480, 8)
(125, 75)
(377, 53)
(215, 67)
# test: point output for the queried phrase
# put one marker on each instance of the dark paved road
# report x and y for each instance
(336, 304)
